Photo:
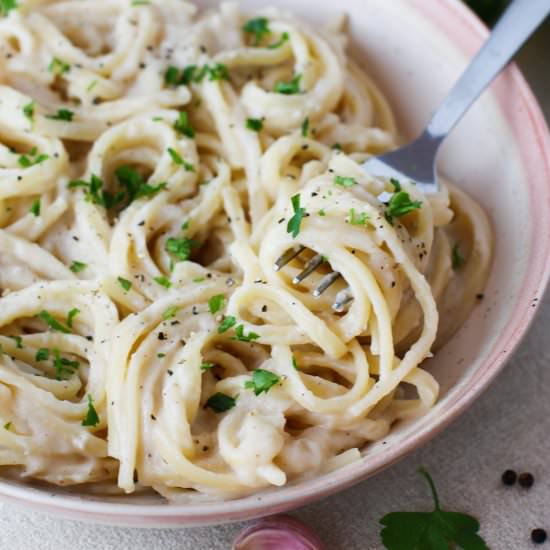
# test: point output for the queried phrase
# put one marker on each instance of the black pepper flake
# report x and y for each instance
(19, 178)
(96, 100)
(170, 372)
(509, 477)
(393, 284)
(205, 448)
(75, 238)
(162, 336)
(526, 480)
(305, 147)
(153, 417)
(480, 297)
(202, 48)
(209, 275)
(264, 309)
(281, 220)
(142, 65)
(141, 223)
(194, 310)
(314, 194)
(538, 536)
(90, 338)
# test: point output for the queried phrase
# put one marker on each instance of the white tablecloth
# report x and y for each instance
(509, 427)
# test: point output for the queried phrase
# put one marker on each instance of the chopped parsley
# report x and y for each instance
(91, 418)
(183, 126)
(396, 184)
(255, 124)
(357, 218)
(92, 85)
(163, 281)
(178, 160)
(58, 67)
(28, 110)
(295, 363)
(336, 146)
(259, 27)
(94, 192)
(33, 158)
(305, 127)
(262, 381)
(62, 114)
(180, 249)
(71, 315)
(62, 365)
(7, 5)
(457, 258)
(77, 267)
(226, 324)
(216, 303)
(124, 283)
(221, 402)
(284, 38)
(170, 312)
(240, 336)
(288, 88)
(199, 279)
(140, 2)
(52, 322)
(35, 207)
(172, 76)
(18, 341)
(136, 188)
(218, 72)
(7, 426)
(42, 354)
(160, 355)
(434, 530)
(322, 212)
(293, 225)
(345, 181)
(399, 205)
(207, 365)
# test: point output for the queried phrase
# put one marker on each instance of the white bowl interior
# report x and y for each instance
(416, 64)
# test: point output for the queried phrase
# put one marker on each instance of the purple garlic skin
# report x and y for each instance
(278, 533)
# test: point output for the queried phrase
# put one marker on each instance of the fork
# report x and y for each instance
(417, 161)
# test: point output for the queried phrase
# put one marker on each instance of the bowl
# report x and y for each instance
(500, 153)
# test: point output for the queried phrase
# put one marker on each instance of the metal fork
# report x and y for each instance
(417, 161)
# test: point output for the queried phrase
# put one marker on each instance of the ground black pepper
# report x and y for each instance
(509, 477)
(526, 480)
(538, 536)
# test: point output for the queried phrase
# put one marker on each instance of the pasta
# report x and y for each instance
(155, 163)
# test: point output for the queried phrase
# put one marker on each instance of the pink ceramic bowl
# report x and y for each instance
(500, 153)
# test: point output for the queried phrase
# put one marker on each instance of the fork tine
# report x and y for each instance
(310, 267)
(289, 255)
(343, 298)
(326, 281)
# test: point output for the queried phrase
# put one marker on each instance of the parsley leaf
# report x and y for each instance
(284, 38)
(207, 365)
(124, 283)
(71, 315)
(180, 248)
(356, 218)
(28, 109)
(305, 127)
(77, 267)
(94, 192)
(259, 27)
(295, 363)
(430, 530)
(132, 181)
(7, 426)
(58, 67)
(178, 160)
(91, 418)
(163, 281)
(226, 324)
(240, 336)
(457, 258)
(33, 158)
(18, 341)
(399, 205)
(221, 402)
(62, 114)
(262, 380)
(396, 184)
(7, 5)
(63, 365)
(42, 354)
(216, 303)
(170, 312)
(255, 124)
(35, 207)
(322, 212)
(53, 323)
(183, 126)
(293, 225)
(345, 181)
(288, 88)
(172, 76)
(218, 72)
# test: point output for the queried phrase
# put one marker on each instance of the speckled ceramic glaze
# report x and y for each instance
(500, 153)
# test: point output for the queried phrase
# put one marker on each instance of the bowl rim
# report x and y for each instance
(533, 142)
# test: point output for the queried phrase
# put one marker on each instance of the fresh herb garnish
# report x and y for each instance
(226, 324)
(57, 66)
(259, 27)
(322, 212)
(262, 380)
(218, 72)
(91, 86)
(336, 146)
(457, 258)
(31, 159)
(140, 3)
(180, 249)
(62, 114)
(91, 418)
(293, 225)
(199, 279)
(134, 184)
(357, 218)
(345, 181)
(284, 38)
(42, 354)
(255, 124)
(7, 5)
(35, 207)
(172, 76)
(178, 160)
(240, 336)
(7, 426)
(170, 312)
(160, 355)
(52, 322)
(18, 341)
(207, 365)
(221, 402)
(183, 126)
(77, 267)
(63, 365)
(28, 109)
(396, 184)
(295, 363)
(399, 205)
(435, 530)
(163, 281)
(216, 303)
(71, 315)
(305, 127)
(288, 88)
(124, 283)
(94, 192)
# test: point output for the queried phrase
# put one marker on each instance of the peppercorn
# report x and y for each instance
(538, 536)
(509, 477)
(526, 480)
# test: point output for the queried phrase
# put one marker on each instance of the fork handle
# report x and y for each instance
(515, 26)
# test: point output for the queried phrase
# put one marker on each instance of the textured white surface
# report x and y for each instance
(507, 428)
